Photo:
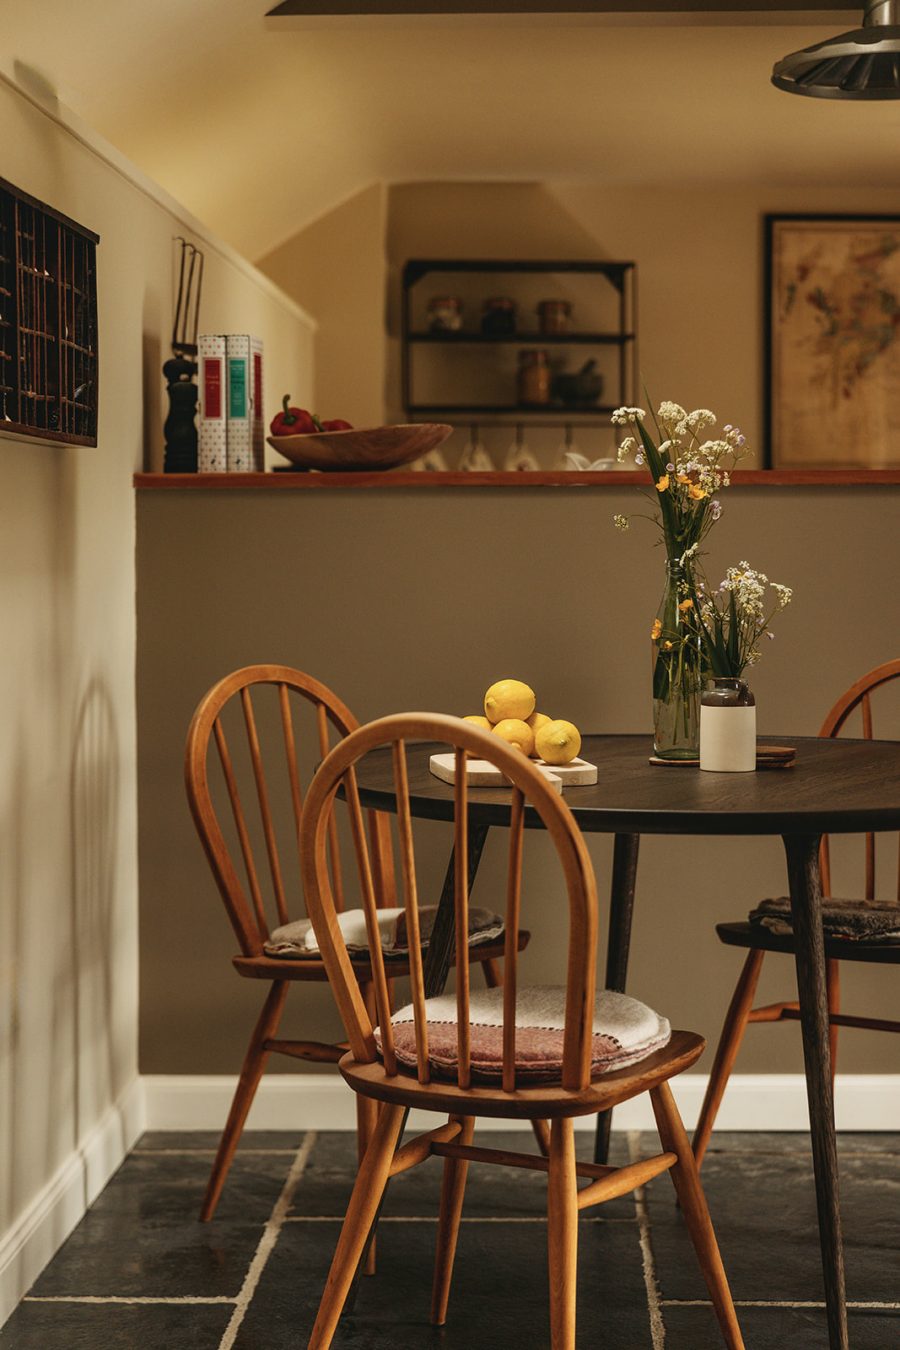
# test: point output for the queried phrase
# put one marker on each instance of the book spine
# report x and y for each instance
(259, 426)
(212, 456)
(239, 431)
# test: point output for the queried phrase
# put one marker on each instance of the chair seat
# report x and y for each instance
(625, 1031)
(264, 967)
(755, 936)
(297, 940)
(542, 1101)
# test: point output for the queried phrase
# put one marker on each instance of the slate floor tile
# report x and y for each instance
(764, 1213)
(115, 1326)
(499, 1297)
(142, 1236)
(780, 1329)
(193, 1141)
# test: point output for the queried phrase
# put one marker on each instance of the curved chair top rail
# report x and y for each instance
(858, 695)
(245, 904)
(528, 785)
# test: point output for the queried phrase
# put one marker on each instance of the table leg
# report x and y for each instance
(809, 947)
(621, 906)
(438, 960)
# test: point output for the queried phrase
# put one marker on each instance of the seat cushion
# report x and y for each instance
(852, 920)
(625, 1032)
(298, 940)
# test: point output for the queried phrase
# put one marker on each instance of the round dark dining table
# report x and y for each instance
(835, 786)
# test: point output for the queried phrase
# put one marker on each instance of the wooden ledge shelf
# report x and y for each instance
(615, 478)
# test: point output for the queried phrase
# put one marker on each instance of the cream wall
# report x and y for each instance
(335, 269)
(68, 849)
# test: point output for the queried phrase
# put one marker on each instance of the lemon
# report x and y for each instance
(479, 721)
(517, 733)
(536, 721)
(509, 698)
(558, 742)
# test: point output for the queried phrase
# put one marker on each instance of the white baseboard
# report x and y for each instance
(320, 1101)
(43, 1226)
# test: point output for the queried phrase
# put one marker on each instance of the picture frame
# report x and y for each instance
(832, 341)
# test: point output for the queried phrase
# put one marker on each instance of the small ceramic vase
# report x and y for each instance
(727, 727)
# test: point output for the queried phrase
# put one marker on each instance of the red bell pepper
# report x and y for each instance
(337, 424)
(292, 421)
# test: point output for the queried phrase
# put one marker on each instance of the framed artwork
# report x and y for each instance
(832, 333)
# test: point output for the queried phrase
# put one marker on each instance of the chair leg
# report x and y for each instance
(833, 984)
(361, 1211)
(686, 1179)
(453, 1188)
(493, 976)
(562, 1234)
(733, 1029)
(251, 1072)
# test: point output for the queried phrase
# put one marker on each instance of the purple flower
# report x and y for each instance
(770, 635)
(670, 468)
(715, 508)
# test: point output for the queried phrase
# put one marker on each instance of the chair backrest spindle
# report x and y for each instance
(461, 903)
(411, 906)
(240, 822)
(262, 793)
(511, 946)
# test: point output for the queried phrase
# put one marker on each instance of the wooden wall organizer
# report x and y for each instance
(48, 322)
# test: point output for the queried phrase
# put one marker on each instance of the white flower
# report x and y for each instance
(620, 521)
(688, 553)
(639, 457)
(715, 509)
(700, 418)
(624, 417)
(785, 594)
(626, 448)
(671, 412)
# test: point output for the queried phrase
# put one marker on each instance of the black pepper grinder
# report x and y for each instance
(180, 427)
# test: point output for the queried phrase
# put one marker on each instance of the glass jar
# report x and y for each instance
(533, 379)
(554, 316)
(444, 314)
(498, 316)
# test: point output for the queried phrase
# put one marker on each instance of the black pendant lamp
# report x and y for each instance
(861, 64)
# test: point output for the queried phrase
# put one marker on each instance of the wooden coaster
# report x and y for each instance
(767, 757)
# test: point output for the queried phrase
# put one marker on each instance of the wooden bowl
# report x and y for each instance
(362, 448)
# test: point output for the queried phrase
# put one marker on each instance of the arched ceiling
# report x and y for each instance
(261, 126)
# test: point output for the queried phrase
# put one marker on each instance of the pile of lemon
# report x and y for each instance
(509, 707)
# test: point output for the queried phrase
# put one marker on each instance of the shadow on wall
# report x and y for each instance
(94, 803)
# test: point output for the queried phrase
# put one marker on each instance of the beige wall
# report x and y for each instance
(335, 269)
(68, 852)
(419, 599)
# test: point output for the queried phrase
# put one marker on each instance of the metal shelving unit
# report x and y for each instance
(621, 340)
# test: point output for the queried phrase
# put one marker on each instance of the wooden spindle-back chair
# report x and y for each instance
(464, 1089)
(760, 939)
(261, 767)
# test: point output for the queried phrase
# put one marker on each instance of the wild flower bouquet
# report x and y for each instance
(735, 616)
(687, 468)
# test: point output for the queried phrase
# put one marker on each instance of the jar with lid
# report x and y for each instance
(498, 316)
(533, 378)
(444, 314)
(554, 316)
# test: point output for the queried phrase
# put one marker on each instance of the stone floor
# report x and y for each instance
(140, 1271)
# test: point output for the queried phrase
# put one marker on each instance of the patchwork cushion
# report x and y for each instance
(854, 920)
(625, 1032)
(297, 940)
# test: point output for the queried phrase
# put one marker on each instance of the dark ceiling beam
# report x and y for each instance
(321, 8)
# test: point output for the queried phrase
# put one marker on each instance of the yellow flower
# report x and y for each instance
(667, 645)
(682, 478)
(697, 493)
(663, 483)
(655, 630)
(686, 605)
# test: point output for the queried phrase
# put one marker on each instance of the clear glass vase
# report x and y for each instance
(676, 670)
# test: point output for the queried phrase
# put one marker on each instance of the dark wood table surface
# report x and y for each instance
(838, 786)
